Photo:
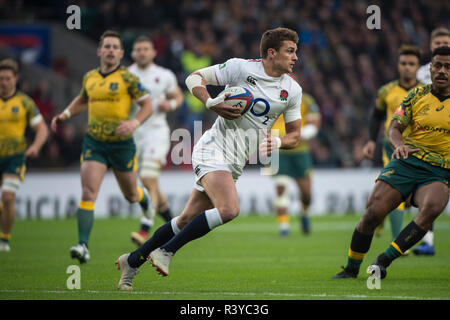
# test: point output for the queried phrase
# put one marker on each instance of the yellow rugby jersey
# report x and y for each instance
(16, 112)
(308, 110)
(427, 115)
(389, 97)
(109, 101)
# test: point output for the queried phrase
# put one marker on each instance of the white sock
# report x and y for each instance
(174, 225)
(213, 218)
(146, 222)
(429, 238)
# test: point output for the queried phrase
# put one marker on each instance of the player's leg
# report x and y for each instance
(304, 185)
(220, 188)
(426, 248)
(198, 202)
(127, 181)
(281, 202)
(383, 199)
(396, 220)
(10, 187)
(130, 262)
(431, 200)
(153, 148)
(92, 174)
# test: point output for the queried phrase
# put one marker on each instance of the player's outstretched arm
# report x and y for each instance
(40, 137)
(395, 138)
(77, 106)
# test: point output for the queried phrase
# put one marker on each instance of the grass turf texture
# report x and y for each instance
(245, 259)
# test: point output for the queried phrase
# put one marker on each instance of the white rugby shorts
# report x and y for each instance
(208, 156)
(153, 146)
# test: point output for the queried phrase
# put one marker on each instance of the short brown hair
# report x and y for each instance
(439, 32)
(410, 50)
(274, 38)
(142, 38)
(110, 33)
(9, 64)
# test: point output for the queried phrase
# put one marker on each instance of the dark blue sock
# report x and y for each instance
(167, 215)
(305, 224)
(161, 236)
(145, 227)
(197, 228)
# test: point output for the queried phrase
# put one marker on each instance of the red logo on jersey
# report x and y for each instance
(156, 80)
(284, 95)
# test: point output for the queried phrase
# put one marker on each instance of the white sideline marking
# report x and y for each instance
(273, 294)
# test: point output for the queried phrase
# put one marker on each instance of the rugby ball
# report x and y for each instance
(239, 96)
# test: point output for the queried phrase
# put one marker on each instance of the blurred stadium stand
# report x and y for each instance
(342, 63)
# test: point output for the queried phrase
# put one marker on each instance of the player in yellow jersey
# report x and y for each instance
(389, 98)
(107, 92)
(420, 167)
(296, 164)
(17, 110)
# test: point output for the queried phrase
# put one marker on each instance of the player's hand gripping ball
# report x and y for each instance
(238, 96)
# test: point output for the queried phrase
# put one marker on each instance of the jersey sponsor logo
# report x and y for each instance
(430, 128)
(251, 80)
(257, 102)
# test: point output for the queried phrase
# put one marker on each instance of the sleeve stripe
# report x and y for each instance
(36, 119)
(143, 97)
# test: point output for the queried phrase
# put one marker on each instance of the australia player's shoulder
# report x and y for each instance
(127, 75)
(91, 73)
(385, 88)
(26, 99)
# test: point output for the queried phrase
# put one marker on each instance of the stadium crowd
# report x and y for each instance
(342, 62)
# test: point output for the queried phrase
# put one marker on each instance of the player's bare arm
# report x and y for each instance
(290, 140)
(40, 137)
(401, 150)
(126, 128)
(378, 116)
(172, 102)
(197, 84)
(77, 106)
(293, 135)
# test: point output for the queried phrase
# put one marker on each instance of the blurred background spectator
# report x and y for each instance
(341, 62)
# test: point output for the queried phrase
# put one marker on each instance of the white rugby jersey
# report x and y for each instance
(272, 97)
(423, 74)
(158, 81)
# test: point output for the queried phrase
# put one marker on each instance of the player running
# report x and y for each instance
(389, 98)
(17, 110)
(214, 199)
(296, 163)
(107, 92)
(420, 167)
(152, 138)
(440, 37)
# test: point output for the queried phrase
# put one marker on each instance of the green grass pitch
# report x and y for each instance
(243, 260)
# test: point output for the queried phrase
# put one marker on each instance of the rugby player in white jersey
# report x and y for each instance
(440, 37)
(214, 199)
(152, 138)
